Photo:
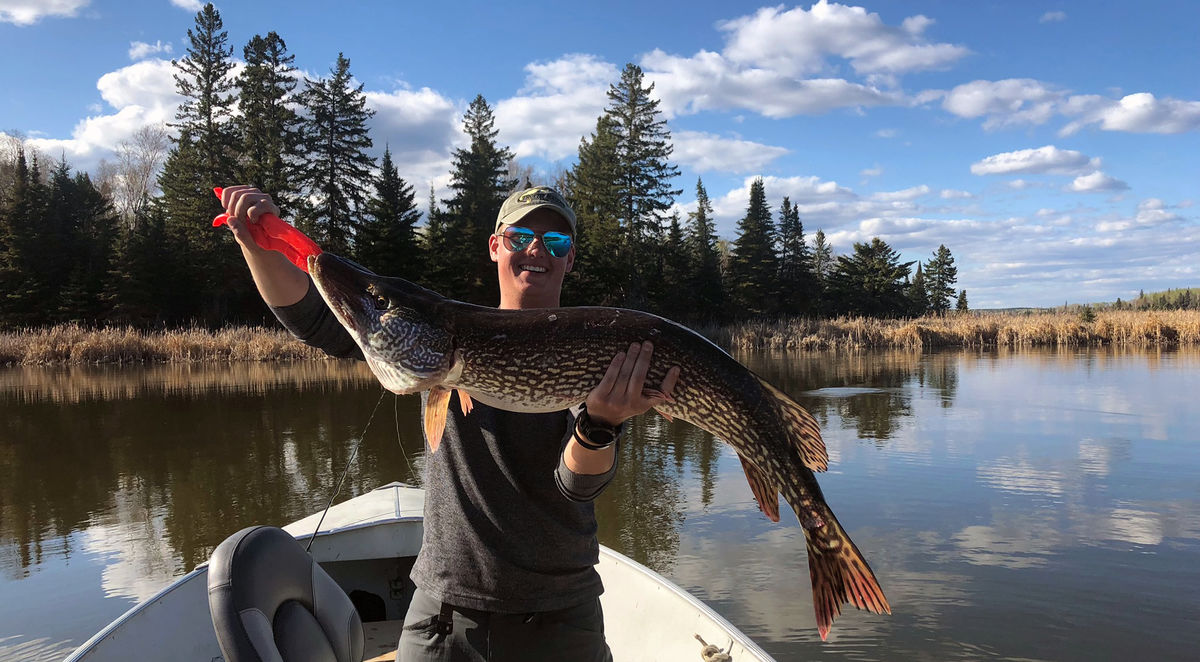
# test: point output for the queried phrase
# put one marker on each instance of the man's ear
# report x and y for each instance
(494, 248)
(570, 259)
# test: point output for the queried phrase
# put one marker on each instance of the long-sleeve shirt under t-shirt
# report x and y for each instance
(508, 527)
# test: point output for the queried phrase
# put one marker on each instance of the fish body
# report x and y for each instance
(549, 359)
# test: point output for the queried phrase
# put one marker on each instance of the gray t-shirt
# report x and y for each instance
(508, 528)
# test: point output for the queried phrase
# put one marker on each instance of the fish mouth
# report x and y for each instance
(345, 287)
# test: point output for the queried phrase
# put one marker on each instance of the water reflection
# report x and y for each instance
(1008, 501)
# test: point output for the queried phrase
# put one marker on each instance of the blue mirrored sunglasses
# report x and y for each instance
(518, 239)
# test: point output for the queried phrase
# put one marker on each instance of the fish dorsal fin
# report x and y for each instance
(436, 409)
(765, 494)
(802, 430)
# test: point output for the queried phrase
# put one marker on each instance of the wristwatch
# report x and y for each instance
(592, 435)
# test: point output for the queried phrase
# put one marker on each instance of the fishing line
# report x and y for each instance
(346, 472)
(399, 441)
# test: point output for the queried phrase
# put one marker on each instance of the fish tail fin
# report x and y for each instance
(802, 429)
(839, 575)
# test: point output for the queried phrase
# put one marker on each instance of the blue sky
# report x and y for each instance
(1053, 147)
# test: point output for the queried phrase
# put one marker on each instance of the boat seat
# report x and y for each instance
(271, 601)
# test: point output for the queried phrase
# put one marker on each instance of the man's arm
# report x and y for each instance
(284, 287)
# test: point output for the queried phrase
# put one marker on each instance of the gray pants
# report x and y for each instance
(434, 632)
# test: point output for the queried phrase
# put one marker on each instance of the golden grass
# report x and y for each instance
(70, 344)
(1116, 328)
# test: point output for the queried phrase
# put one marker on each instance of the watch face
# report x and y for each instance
(600, 436)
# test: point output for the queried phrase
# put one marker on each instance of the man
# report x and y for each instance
(506, 569)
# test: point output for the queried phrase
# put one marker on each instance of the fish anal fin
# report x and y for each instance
(839, 575)
(802, 429)
(765, 494)
(436, 409)
(465, 402)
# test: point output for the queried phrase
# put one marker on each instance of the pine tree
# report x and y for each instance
(387, 239)
(822, 265)
(754, 269)
(705, 283)
(941, 274)
(796, 280)
(599, 277)
(90, 230)
(22, 282)
(644, 174)
(143, 276)
(918, 294)
(203, 80)
(212, 281)
(674, 298)
(268, 127)
(336, 168)
(870, 282)
(480, 183)
(961, 305)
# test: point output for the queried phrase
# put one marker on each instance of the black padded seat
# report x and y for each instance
(271, 602)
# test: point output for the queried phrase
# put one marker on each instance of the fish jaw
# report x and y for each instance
(390, 320)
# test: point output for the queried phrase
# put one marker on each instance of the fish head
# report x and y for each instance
(393, 321)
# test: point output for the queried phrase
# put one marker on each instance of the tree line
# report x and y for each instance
(126, 248)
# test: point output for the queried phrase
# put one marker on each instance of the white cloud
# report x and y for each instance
(706, 152)
(871, 172)
(28, 12)
(906, 194)
(886, 133)
(1096, 182)
(141, 93)
(557, 107)
(1043, 160)
(1003, 102)
(140, 49)
(1053, 17)
(1134, 113)
(421, 127)
(952, 194)
(190, 5)
(797, 42)
(784, 63)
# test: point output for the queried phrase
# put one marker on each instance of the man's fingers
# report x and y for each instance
(610, 375)
(637, 378)
(630, 359)
(669, 382)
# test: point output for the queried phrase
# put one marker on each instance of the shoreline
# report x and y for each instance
(72, 344)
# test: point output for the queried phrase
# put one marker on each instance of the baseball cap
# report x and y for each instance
(520, 204)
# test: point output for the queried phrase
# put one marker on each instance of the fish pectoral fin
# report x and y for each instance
(465, 402)
(436, 409)
(765, 494)
(651, 393)
(664, 414)
(802, 430)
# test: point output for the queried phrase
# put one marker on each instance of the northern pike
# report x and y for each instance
(549, 359)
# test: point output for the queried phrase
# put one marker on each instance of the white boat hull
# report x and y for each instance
(367, 543)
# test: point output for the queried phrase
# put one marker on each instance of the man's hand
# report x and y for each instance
(619, 396)
(243, 205)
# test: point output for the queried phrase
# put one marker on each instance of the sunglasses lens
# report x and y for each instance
(557, 243)
(516, 239)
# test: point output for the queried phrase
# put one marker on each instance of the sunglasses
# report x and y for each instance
(518, 239)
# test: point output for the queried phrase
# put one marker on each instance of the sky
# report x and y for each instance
(1053, 147)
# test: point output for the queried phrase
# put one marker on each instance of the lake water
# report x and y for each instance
(1023, 505)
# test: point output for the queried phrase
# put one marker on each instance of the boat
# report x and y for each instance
(368, 545)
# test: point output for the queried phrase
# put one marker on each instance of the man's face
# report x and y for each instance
(532, 277)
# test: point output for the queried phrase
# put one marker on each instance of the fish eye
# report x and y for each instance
(379, 301)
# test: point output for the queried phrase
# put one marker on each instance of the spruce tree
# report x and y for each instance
(705, 282)
(822, 265)
(961, 305)
(754, 268)
(674, 298)
(796, 281)
(941, 275)
(203, 80)
(336, 170)
(599, 277)
(269, 135)
(387, 238)
(870, 282)
(142, 278)
(22, 279)
(644, 174)
(91, 231)
(479, 184)
(918, 294)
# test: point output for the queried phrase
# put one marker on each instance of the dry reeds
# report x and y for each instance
(70, 344)
(1111, 328)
